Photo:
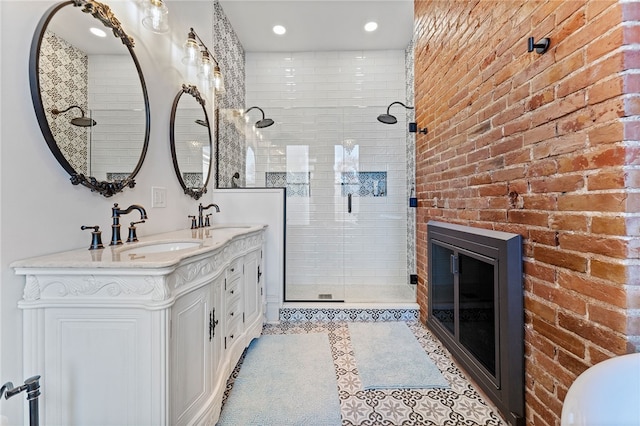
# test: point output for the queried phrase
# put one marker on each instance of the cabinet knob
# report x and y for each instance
(232, 291)
(231, 314)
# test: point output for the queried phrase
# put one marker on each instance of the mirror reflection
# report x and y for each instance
(89, 95)
(190, 137)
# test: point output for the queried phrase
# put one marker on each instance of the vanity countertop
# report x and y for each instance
(128, 256)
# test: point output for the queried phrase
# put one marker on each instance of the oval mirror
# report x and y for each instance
(190, 136)
(89, 95)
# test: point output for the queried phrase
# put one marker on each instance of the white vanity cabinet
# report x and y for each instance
(141, 338)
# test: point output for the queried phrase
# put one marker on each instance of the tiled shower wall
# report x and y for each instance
(117, 105)
(62, 87)
(230, 54)
(325, 106)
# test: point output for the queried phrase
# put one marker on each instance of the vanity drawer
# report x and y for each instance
(234, 268)
(234, 308)
(233, 288)
(234, 330)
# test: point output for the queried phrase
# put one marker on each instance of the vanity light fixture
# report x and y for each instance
(156, 16)
(81, 121)
(264, 122)
(196, 53)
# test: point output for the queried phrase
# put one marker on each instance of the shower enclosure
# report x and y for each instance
(347, 188)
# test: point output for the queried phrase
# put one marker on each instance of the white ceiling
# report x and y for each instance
(320, 25)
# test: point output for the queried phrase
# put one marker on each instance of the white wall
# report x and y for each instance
(41, 212)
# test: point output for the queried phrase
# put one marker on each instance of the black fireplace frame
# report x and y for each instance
(505, 388)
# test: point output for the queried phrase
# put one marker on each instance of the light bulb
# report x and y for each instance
(156, 17)
(191, 50)
(205, 66)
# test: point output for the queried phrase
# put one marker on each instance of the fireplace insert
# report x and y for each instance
(475, 302)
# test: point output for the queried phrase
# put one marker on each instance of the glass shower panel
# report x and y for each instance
(346, 200)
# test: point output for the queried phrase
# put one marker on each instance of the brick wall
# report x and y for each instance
(545, 146)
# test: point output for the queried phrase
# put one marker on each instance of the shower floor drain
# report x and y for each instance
(325, 296)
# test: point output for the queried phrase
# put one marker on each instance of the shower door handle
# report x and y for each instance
(349, 203)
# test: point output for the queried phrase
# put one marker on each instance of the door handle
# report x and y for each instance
(349, 203)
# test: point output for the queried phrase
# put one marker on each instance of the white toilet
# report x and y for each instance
(607, 394)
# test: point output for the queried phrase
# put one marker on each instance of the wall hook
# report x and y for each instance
(541, 46)
(413, 128)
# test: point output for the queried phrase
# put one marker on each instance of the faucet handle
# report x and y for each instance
(96, 237)
(194, 224)
(207, 222)
(132, 231)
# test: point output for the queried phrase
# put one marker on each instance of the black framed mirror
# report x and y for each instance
(89, 95)
(190, 136)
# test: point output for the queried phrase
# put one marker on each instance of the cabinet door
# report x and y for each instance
(252, 287)
(191, 363)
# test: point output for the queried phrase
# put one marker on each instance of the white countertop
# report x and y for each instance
(125, 256)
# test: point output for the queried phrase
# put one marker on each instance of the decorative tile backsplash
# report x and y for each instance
(364, 184)
(346, 315)
(297, 184)
(192, 180)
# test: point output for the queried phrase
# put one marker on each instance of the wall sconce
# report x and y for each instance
(413, 128)
(156, 16)
(264, 122)
(388, 118)
(541, 46)
(81, 121)
(196, 53)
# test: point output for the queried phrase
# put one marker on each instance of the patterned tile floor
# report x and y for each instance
(459, 405)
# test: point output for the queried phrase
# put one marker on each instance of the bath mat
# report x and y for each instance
(388, 356)
(285, 380)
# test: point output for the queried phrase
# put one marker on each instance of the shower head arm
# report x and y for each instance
(56, 111)
(256, 107)
(397, 102)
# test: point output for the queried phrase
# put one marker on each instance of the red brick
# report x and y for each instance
(560, 258)
(569, 222)
(608, 246)
(605, 202)
(593, 288)
(612, 271)
(608, 225)
(600, 336)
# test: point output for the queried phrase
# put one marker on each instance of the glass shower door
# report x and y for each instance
(346, 200)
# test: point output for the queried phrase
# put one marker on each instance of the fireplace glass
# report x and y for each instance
(466, 307)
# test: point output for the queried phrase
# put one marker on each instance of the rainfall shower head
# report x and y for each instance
(388, 118)
(81, 121)
(265, 122)
(202, 123)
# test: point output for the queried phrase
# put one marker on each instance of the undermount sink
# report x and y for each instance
(160, 247)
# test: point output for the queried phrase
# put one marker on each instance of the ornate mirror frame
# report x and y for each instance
(191, 90)
(102, 13)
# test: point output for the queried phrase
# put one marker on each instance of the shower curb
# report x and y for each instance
(346, 315)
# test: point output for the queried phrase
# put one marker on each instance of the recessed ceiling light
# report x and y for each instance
(370, 26)
(279, 29)
(97, 32)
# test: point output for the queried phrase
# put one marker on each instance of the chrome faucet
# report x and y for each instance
(115, 226)
(201, 208)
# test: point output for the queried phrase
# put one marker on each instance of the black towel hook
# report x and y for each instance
(541, 46)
